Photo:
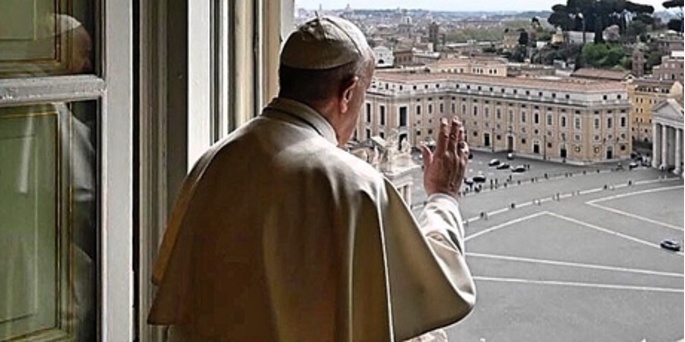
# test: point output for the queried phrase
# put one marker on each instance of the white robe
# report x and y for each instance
(279, 235)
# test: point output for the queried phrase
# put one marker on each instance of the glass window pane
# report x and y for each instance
(48, 222)
(46, 37)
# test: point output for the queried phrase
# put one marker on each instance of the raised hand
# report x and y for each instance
(444, 169)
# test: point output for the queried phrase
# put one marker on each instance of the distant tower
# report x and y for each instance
(434, 34)
(638, 59)
(406, 27)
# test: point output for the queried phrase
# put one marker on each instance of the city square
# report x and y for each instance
(572, 253)
(181, 170)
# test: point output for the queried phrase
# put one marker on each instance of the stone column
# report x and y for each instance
(656, 145)
(678, 150)
(664, 147)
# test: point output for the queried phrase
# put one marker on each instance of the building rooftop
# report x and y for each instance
(648, 81)
(601, 73)
(466, 61)
(670, 102)
(560, 84)
(678, 54)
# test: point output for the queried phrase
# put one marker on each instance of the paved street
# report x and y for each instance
(578, 256)
(538, 171)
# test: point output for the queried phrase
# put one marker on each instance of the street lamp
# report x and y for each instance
(493, 139)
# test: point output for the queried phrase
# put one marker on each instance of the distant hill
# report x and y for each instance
(488, 14)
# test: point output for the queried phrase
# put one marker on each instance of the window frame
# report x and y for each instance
(114, 95)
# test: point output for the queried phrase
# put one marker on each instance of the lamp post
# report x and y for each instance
(492, 136)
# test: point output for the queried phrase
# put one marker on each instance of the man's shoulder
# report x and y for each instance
(346, 166)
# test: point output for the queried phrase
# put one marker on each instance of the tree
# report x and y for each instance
(544, 36)
(602, 55)
(523, 38)
(561, 20)
(653, 58)
(535, 23)
(597, 15)
(636, 28)
(677, 23)
(627, 63)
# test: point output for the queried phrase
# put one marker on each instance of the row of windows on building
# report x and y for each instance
(641, 100)
(524, 140)
(563, 124)
(463, 106)
(388, 86)
(536, 116)
(653, 90)
(481, 71)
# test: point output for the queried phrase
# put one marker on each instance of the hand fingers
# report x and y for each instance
(454, 134)
(464, 150)
(427, 155)
(462, 135)
(443, 137)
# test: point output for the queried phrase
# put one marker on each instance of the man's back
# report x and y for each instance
(279, 235)
(273, 234)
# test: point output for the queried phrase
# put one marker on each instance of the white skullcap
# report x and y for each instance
(324, 43)
(57, 24)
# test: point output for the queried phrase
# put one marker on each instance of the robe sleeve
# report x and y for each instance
(430, 283)
(440, 221)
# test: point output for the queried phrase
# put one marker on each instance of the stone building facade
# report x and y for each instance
(671, 67)
(470, 65)
(576, 121)
(644, 94)
(667, 150)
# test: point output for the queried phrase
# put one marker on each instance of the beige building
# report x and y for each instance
(671, 67)
(670, 43)
(578, 121)
(667, 150)
(470, 65)
(413, 57)
(602, 74)
(470, 48)
(510, 40)
(644, 94)
(530, 69)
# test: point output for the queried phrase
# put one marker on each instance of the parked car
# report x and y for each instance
(510, 156)
(518, 169)
(479, 178)
(494, 162)
(632, 165)
(646, 161)
(502, 166)
(671, 245)
(468, 181)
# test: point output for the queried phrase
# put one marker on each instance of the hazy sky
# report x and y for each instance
(448, 5)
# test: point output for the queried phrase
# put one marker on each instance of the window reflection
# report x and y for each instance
(48, 222)
(37, 40)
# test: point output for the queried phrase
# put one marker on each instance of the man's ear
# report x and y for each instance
(348, 89)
